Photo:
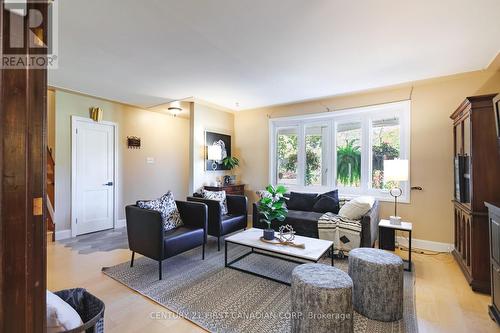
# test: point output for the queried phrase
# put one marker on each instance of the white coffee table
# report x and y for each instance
(313, 251)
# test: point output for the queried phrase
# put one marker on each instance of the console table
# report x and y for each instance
(238, 189)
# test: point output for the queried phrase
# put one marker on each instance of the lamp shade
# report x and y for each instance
(214, 152)
(395, 170)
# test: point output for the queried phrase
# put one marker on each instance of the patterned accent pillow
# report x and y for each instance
(220, 196)
(167, 208)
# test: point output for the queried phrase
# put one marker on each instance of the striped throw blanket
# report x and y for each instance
(345, 233)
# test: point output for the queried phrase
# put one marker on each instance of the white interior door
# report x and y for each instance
(93, 176)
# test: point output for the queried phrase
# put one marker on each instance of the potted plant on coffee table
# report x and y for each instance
(272, 207)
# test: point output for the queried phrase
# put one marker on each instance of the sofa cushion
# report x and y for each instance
(167, 208)
(301, 201)
(327, 202)
(357, 207)
(219, 196)
(303, 223)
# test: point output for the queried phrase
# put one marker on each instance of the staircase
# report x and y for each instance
(50, 194)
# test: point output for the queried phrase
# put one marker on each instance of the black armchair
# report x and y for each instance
(220, 225)
(147, 237)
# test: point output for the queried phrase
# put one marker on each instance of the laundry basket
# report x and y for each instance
(89, 307)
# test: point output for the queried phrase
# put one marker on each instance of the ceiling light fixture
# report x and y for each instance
(175, 110)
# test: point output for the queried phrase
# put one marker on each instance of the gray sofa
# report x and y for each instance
(305, 223)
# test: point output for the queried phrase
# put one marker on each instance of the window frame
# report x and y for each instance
(299, 171)
(366, 115)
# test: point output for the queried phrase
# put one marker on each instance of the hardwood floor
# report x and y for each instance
(444, 301)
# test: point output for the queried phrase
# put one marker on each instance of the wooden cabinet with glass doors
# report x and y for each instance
(477, 179)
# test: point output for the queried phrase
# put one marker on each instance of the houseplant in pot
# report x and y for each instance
(230, 162)
(272, 207)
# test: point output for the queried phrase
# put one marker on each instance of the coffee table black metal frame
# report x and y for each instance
(281, 256)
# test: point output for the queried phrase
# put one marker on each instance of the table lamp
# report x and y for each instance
(214, 153)
(395, 170)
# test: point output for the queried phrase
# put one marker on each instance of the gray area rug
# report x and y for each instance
(106, 240)
(220, 299)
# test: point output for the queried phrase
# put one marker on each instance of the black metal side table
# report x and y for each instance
(386, 236)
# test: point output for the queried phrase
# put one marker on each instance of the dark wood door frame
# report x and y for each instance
(22, 189)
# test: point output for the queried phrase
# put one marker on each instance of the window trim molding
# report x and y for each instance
(331, 119)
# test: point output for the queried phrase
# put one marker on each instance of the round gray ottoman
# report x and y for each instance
(321, 299)
(377, 276)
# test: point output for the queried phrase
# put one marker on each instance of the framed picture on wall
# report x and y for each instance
(217, 147)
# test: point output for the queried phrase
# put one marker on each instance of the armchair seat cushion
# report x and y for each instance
(182, 239)
(232, 223)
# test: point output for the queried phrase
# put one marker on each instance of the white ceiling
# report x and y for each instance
(265, 52)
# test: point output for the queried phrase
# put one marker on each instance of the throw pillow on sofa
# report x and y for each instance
(167, 207)
(220, 196)
(327, 203)
(357, 207)
(301, 201)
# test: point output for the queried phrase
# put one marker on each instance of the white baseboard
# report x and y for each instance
(425, 244)
(121, 223)
(63, 234)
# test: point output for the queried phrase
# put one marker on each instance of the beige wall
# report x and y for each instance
(207, 118)
(432, 102)
(163, 137)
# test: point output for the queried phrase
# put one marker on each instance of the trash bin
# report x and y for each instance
(89, 307)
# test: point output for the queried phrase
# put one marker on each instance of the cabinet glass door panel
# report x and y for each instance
(458, 139)
(467, 135)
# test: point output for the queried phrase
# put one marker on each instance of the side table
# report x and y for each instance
(386, 235)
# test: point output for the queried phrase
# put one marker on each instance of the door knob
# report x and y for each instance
(108, 184)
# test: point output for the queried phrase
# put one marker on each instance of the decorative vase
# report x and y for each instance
(268, 234)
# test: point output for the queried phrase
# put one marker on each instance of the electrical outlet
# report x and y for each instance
(150, 160)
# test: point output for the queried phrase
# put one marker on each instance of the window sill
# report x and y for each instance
(381, 198)
(343, 193)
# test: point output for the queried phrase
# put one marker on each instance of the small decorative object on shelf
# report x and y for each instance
(286, 234)
(229, 180)
(272, 206)
(133, 142)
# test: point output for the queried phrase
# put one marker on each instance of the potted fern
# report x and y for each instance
(272, 207)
